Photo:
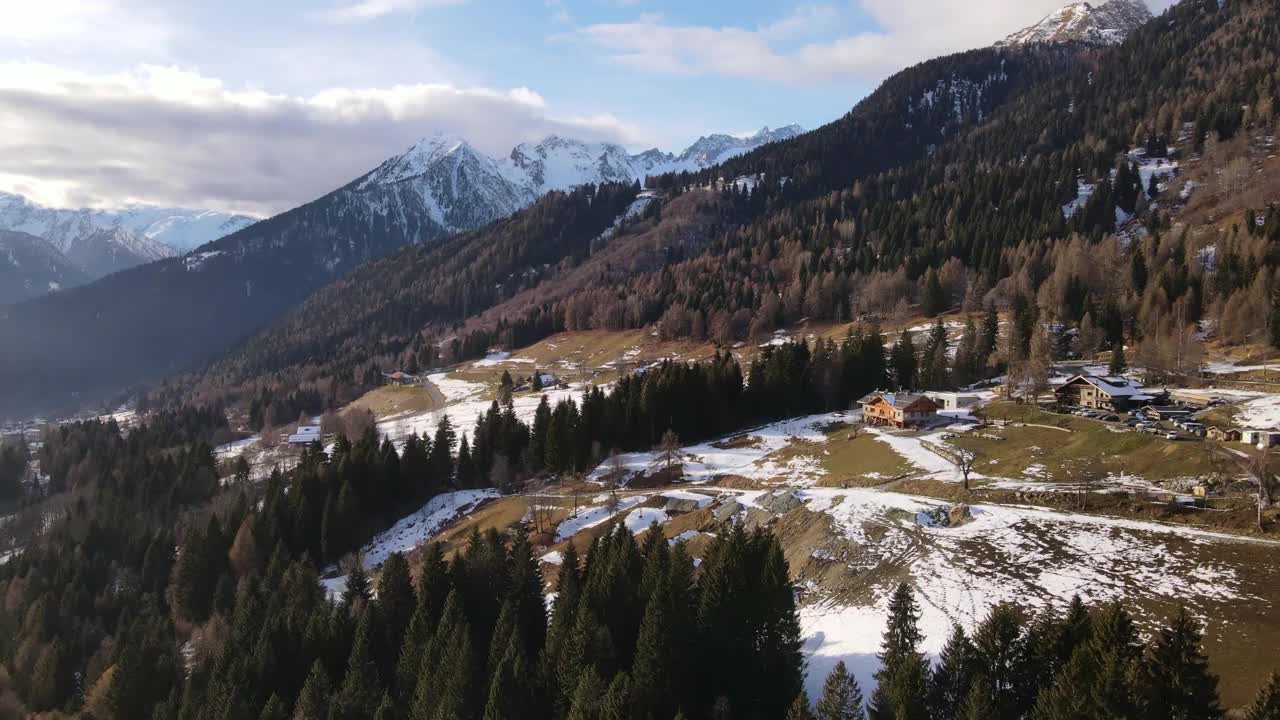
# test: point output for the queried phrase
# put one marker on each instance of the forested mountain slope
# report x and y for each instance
(903, 121)
(960, 182)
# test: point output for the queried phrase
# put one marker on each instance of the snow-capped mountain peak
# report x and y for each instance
(1101, 24)
(422, 158)
(461, 188)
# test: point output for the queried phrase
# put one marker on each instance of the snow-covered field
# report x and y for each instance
(465, 403)
(1262, 413)
(414, 530)
(1036, 558)
(706, 462)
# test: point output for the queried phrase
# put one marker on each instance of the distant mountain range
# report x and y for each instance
(97, 243)
(163, 316)
(1104, 24)
(460, 188)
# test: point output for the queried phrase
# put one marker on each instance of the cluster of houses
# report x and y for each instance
(1107, 394)
(1119, 394)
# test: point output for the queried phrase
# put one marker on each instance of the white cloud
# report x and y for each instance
(906, 32)
(371, 9)
(172, 136)
(105, 25)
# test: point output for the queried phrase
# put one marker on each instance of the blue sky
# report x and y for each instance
(258, 105)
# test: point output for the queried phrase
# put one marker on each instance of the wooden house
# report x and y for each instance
(900, 410)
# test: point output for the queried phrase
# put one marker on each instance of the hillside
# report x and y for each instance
(229, 288)
(955, 185)
(30, 266)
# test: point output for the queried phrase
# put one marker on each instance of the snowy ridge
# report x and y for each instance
(1105, 24)
(461, 188)
(178, 228)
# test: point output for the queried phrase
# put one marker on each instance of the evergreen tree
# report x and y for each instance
(441, 458)
(978, 703)
(1001, 658)
(586, 697)
(275, 709)
(1267, 705)
(396, 605)
(989, 337)
(902, 681)
(841, 697)
(1118, 363)
(903, 360)
(1176, 680)
(313, 702)
(386, 709)
(799, 709)
(935, 298)
(952, 678)
(616, 704)
(361, 691)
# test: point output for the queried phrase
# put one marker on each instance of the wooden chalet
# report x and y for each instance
(900, 410)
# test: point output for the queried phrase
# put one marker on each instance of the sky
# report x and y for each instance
(256, 106)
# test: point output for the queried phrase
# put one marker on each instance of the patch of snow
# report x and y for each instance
(590, 517)
(639, 520)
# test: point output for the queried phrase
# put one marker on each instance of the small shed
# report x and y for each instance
(1260, 439)
(1223, 435)
(953, 401)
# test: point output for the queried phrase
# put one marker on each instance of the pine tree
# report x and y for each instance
(585, 704)
(441, 458)
(978, 703)
(1000, 654)
(1267, 705)
(951, 679)
(841, 697)
(396, 605)
(988, 338)
(511, 693)
(357, 589)
(1118, 363)
(903, 360)
(460, 686)
(361, 689)
(386, 709)
(935, 298)
(275, 709)
(799, 709)
(902, 681)
(313, 702)
(652, 687)
(1114, 647)
(617, 701)
(1176, 680)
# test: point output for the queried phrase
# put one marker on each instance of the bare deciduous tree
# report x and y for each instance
(964, 460)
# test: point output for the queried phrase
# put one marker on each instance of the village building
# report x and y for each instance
(1261, 439)
(399, 377)
(1221, 435)
(1117, 394)
(953, 401)
(900, 410)
(305, 435)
